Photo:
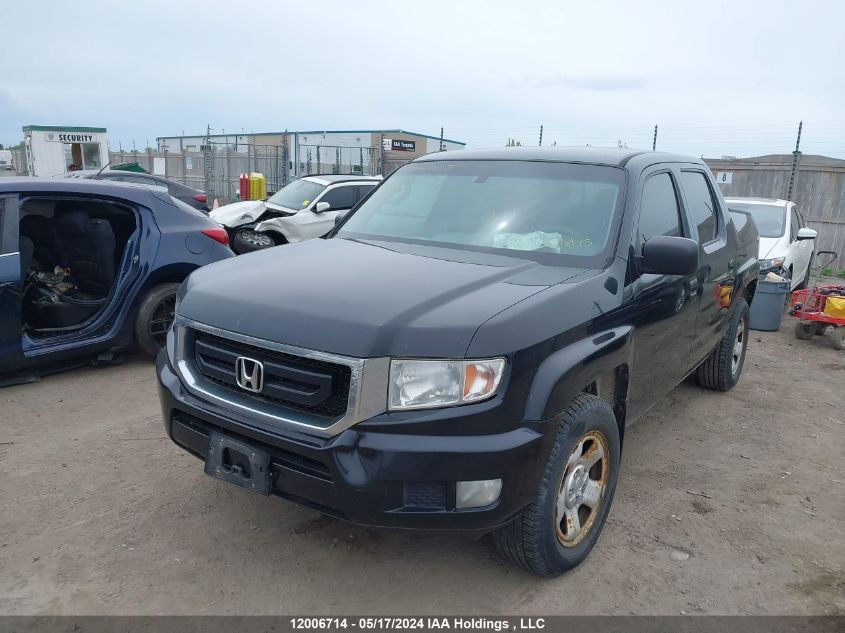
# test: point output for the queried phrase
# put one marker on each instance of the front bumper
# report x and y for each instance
(373, 477)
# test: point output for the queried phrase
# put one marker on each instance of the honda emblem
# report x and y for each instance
(249, 374)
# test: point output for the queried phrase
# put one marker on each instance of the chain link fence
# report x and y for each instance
(216, 169)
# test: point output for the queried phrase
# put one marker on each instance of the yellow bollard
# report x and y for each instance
(257, 186)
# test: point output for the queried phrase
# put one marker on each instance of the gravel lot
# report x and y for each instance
(727, 503)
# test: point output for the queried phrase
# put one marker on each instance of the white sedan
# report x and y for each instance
(786, 242)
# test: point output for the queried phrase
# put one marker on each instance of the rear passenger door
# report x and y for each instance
(716, 259)
(663, 308)
(11, 280)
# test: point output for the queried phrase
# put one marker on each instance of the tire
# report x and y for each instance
(250, 240)
(721, 370)
(805, 331)
(154, 318)
(538, 539)
(839, 337)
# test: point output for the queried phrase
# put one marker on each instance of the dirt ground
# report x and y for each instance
(727, 504)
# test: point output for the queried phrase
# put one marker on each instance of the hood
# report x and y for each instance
(363, 299)
(238, 213)
(771, 247)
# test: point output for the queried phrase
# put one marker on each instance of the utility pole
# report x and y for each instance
(654, 142)
(541, 135)
(796, 161)
(208, 164)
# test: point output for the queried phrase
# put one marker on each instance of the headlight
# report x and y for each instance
(768, 264)
(426, 384)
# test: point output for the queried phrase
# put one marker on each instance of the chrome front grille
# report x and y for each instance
(302, 384)
(305, 390)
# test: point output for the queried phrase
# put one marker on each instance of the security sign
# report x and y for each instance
(69, 138)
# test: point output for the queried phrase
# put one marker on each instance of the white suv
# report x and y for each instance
(302, 210)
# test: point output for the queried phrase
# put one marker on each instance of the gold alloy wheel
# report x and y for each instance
(739, 342)
(582, 488)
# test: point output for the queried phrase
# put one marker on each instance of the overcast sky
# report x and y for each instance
(719, 77)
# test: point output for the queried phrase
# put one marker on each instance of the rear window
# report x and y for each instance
(186, 207)
(700, 203)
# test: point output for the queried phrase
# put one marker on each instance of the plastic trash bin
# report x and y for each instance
(768, 305)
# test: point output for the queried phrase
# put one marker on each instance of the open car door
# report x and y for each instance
(11, 282)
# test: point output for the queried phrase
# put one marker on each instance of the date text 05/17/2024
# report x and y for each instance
(417, 623)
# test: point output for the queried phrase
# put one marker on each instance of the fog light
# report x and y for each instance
(476, 494)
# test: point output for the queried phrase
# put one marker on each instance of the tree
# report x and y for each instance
(513, 143)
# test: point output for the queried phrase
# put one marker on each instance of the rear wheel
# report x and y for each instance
(154, 318)
(557, 531)
(721, 370)
(805, 331)
(249, 240)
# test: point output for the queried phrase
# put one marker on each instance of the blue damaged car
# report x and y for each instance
(88, 268)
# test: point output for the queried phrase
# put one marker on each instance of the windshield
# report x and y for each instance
(297, 195)
(770, 219)
(550, 209)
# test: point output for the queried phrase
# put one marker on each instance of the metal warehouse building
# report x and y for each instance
(309, 149)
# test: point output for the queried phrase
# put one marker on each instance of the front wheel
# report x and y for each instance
(839, 337)
(721, 370)
(249, 240)
(562, 524)
(804, 330)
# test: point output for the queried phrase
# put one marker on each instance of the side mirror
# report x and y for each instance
(322, 206)
(665, 255)
(807, 234)
(339, 217)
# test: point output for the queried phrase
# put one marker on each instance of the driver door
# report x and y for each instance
(663, 308)
(11, 281)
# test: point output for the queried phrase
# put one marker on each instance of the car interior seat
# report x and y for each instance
(86, 248)
(39, 230)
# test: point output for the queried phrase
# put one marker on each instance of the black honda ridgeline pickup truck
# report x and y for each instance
(465, 349)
